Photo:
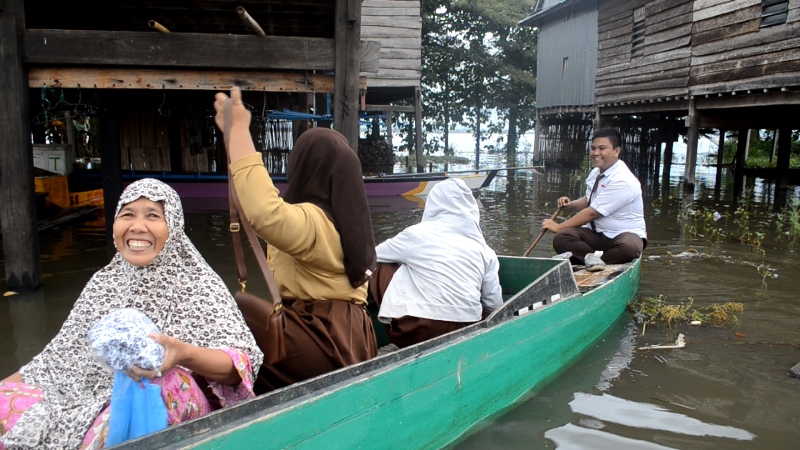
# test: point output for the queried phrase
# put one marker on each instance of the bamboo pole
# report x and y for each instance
(250, 21)
(157, 26)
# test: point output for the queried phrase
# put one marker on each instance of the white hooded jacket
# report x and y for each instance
(448, 272)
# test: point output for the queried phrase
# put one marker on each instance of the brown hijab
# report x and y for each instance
(325, 171)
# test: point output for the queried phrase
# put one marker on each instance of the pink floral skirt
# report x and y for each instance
(183, 396)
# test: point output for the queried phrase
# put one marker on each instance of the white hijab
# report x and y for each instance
(448, 272)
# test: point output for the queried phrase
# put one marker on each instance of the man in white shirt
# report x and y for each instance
(439, 275)
(610, 216)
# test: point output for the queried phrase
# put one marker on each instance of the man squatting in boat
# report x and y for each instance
(610, 217)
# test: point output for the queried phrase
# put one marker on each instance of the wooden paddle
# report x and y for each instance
(541, 233)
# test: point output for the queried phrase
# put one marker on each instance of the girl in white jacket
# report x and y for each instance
(439, 275)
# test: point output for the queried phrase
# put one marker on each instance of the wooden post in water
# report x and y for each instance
(418, 129)
(346, 69)
(17, 204)
(537, 131)
(389, 119)
(784, 155)
(720, 162)
(670, 141)
(691, 146)
(111, 174)
(741, 156)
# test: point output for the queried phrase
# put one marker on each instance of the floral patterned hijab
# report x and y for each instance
(178, 291)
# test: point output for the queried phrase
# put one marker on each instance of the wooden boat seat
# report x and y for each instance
(589, 280)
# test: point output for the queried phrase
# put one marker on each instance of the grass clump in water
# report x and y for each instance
(656, 311)
(788, 223)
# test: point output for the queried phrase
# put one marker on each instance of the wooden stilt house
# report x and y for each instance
(152, 69)
(669, 67)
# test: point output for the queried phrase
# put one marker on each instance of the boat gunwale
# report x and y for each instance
(227, 420)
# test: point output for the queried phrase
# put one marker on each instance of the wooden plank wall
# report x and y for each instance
(144, 141)
(143, 138)
(662, 69)
(397, 24)
(730, 52)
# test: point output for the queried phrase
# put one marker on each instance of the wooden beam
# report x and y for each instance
(741, 156)
(784, 155)
(346, 93)
(390, 108)
(117, 78)
(221, 51)
(418, 129)
(17, 201)
(692, 121)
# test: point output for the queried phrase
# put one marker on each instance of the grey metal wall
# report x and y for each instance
(570, 33)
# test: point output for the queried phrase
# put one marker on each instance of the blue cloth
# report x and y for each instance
(136, 409)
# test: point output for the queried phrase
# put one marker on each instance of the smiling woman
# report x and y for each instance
(61, 399)
(140, 231)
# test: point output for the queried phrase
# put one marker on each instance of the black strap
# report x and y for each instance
(591, 194)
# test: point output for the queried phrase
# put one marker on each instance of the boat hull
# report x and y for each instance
(431, 394)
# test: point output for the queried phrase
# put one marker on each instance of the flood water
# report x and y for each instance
(727, 388)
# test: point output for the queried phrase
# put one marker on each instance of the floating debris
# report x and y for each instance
(696, 322)
(679, 343)
(10, 293)
(655, 310)
(795, 371)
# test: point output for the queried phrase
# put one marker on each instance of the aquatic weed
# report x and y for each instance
(655, 310)
(788, 223)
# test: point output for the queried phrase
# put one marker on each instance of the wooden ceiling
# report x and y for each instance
(307, 18)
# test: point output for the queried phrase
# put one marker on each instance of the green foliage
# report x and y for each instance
(475, 60)
(787, 223)
(760, 151)
(656, 311)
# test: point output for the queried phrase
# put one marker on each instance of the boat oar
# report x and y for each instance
(541, 233)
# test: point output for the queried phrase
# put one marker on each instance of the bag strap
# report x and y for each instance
(239, 221)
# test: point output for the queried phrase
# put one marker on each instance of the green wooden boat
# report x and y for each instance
(436, 392)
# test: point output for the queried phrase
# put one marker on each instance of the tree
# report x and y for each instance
(476, 59)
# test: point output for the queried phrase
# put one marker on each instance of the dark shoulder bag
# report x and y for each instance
(265, 318)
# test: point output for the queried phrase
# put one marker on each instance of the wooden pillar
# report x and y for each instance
(418, 129)
(667, 157)
(346, 70)
(17, 204)
(537, 131)
(642, 157)
(784, 154)
(741, 156)
(389, 120)
(720, 162)
(691, 146)
(111, 173)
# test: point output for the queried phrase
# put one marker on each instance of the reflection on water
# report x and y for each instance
(726, 380)
(608, 408)
(572, 437)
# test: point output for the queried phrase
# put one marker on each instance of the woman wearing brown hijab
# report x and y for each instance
(321, 250)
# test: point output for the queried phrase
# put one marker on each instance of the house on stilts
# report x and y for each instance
(661, 69)
(133, 91)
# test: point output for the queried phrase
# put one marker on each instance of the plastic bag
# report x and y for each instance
(120, 341)
(137, 409)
